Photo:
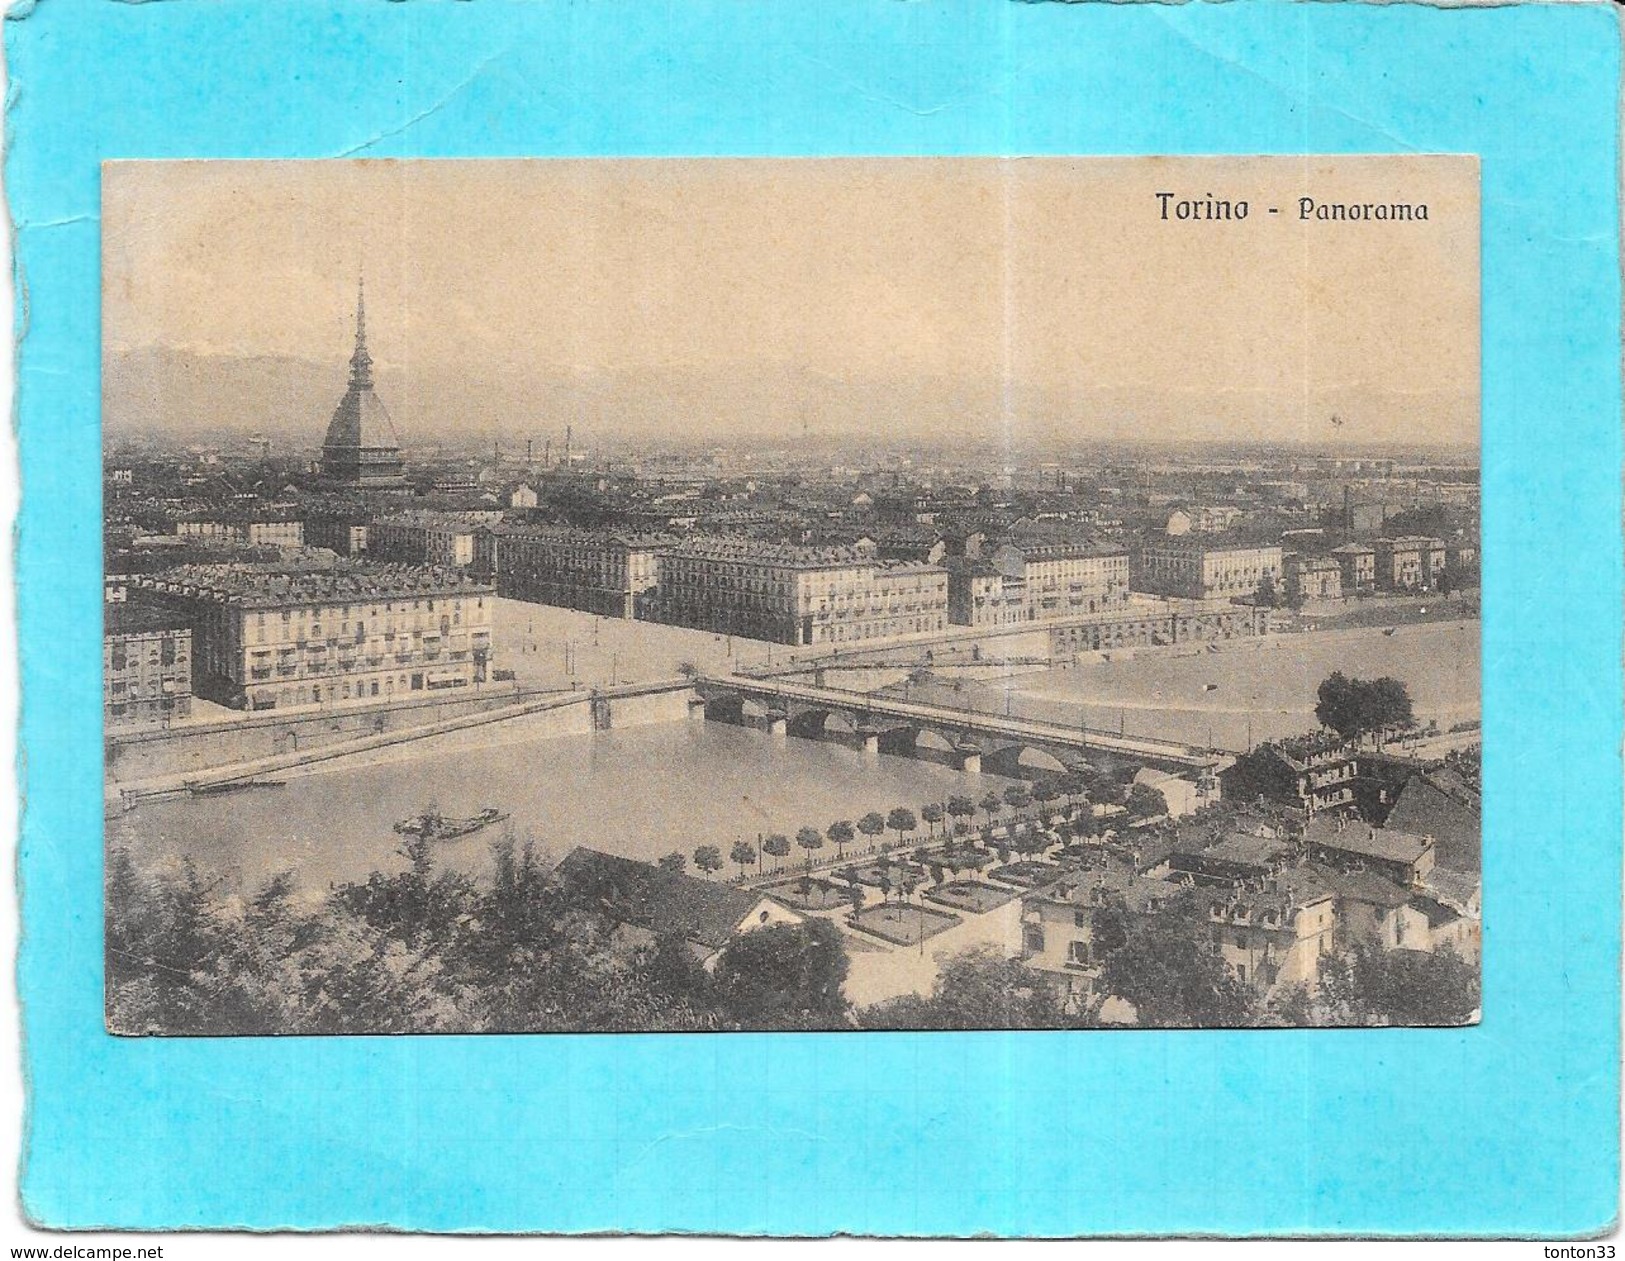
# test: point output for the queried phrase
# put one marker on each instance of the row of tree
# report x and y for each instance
(954, 816)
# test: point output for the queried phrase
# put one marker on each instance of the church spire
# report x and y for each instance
(361, 361)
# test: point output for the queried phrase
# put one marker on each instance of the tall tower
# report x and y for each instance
(361, 448)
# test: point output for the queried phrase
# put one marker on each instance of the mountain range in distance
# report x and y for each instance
(185, 393)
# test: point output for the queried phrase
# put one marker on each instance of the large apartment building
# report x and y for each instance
(1066, 579)
(796, 595)
(597, 572)
(423, 537)
(146, 666)
(265, 637)
(1023, 582)
(1196, 569)
(254, 529)
(1311, 577)
(1408, 563)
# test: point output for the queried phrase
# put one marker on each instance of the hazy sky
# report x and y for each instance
(1046, 294)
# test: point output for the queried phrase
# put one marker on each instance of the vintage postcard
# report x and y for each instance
(678, 595)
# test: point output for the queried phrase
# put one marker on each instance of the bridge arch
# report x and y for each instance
(725, 707)
(1021, 761)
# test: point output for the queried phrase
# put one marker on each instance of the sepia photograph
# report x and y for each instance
(857, 594)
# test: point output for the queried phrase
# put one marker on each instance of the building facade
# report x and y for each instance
(1066, 580)
(796, 595)
(982, 594)
(1313, 577)
(146, 666)
(597, 572)
(420, 536)
(264, 530)
(346, 535)
(1154, 627)
(1408, 563)
(1193, 569)
(266, 638)
(1358, 565)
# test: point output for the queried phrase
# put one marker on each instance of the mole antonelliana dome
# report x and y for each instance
(361, 447)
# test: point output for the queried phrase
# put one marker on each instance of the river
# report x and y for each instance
(641, 792)
(1256, 690)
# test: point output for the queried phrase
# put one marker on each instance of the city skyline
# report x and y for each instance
(815, 298)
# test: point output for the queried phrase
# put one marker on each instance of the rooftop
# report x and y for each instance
(785, 555)
(577, 535)
(664, 902)
(1410, 540)
(126, 619)
(271, 586)
(1246, 850)
(1388, 844)
(438, 519)
(1440, 805)
(1141, 894)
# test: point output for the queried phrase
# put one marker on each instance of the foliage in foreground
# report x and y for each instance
(421, 951)
(427, 951)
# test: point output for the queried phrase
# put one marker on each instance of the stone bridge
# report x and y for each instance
(966, 739)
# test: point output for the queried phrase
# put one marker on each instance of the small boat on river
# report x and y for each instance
(431, 825)
(233, 785)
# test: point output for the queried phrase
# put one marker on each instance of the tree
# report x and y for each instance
(1170, 971)
(991, 805)
(1045, 791)
(1032, 842)
(1367, 985)
(977, 988)
(901, 820)
(1146, 802)
(708, 858)
(672, 862)
(872, 824)
(778, 845)
(854, 895)
(1018, 798)
(933, 813)
(1358, 707)
(1265, 597)
(809, 839)
(744, 853)
(1071, 785)
(961, 808)
(785, 976)
(840, 834)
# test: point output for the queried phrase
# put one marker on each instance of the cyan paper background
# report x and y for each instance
(1507, 1127)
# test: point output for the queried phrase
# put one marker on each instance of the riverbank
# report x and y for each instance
(1247, 691)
